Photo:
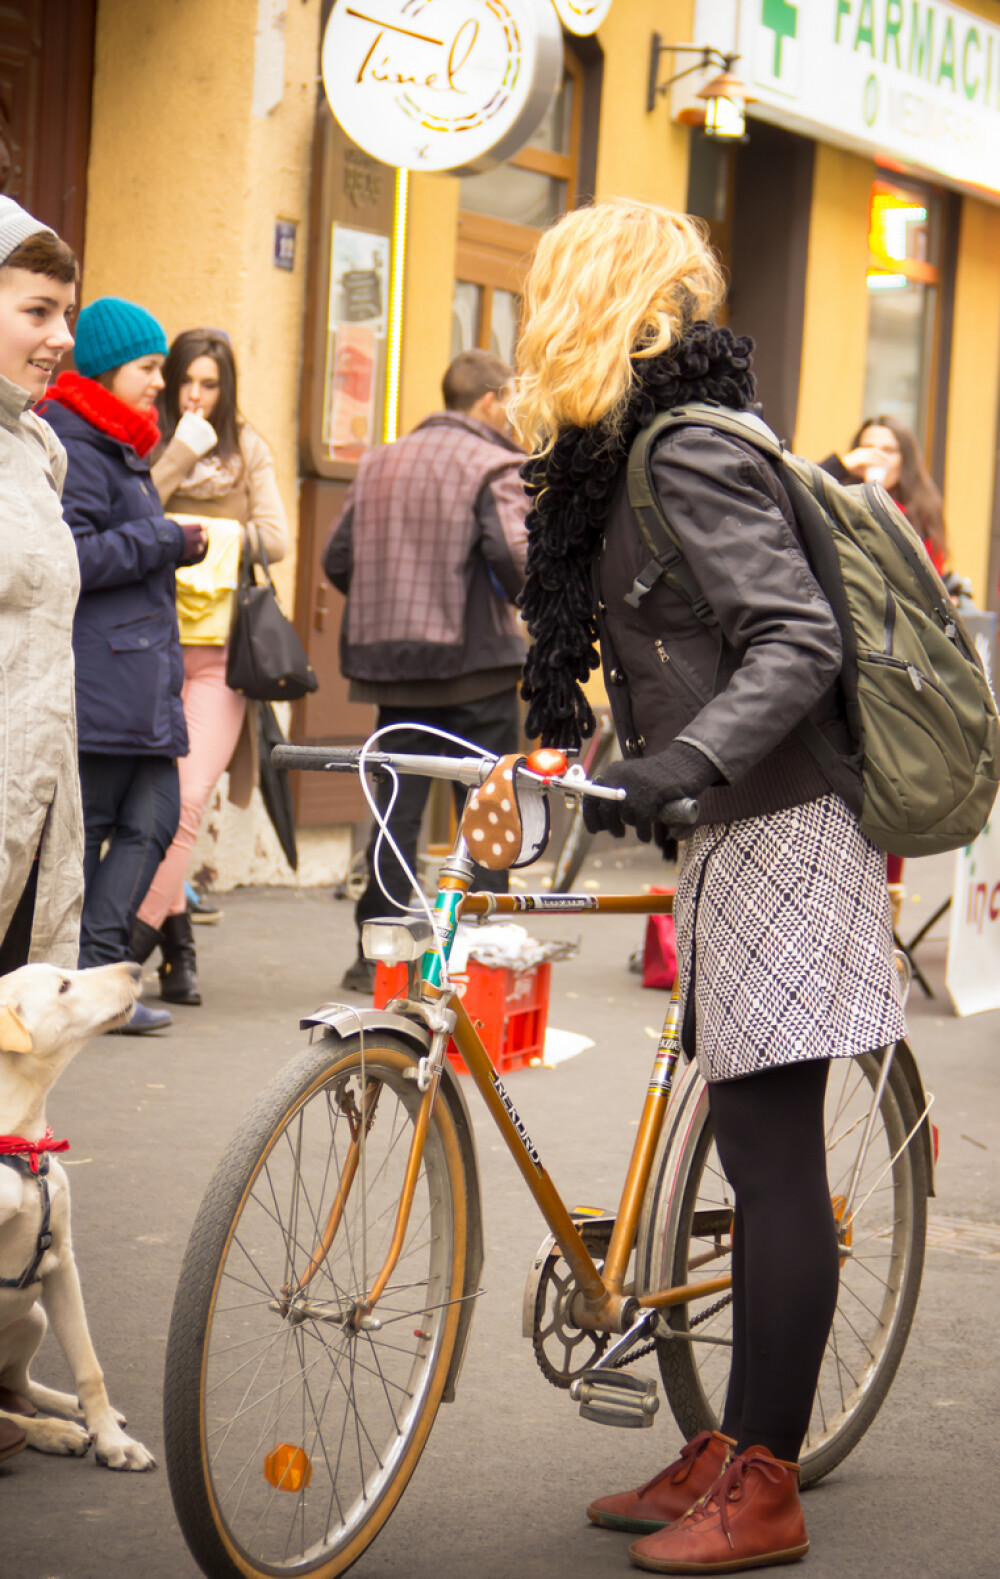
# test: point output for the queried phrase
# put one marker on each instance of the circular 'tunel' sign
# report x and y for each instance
(441, 84)
(582, 16)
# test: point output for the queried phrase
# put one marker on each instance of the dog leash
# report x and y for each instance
(30, 1157)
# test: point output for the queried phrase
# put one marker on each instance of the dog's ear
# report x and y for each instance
(14, 1034)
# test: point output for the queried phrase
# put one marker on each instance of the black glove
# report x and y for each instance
(195, 542)
(650, 782)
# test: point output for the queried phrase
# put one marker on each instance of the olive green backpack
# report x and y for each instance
(918, 702)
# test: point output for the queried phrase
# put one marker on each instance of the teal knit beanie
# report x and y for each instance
(112, 331)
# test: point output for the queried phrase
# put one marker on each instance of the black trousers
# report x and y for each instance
(786, 1269)
(492, 724)
(131, 804)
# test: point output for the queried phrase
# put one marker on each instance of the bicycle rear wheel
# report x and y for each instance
(290, 1435)
(687, 1239)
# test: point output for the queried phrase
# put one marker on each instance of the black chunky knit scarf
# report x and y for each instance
(572, 488)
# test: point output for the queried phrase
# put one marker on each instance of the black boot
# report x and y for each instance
(143, 939)
(178, 982)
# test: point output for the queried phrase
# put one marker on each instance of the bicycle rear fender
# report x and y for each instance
(338, 1019)
(908, 1064)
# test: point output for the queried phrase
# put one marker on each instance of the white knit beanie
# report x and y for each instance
(16, 225)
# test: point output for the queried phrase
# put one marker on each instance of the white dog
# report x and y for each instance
(46, 1016)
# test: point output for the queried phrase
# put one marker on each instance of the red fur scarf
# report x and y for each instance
(106, 412)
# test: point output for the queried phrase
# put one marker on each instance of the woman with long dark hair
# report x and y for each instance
(885, 450)
(781, 907)
(213, 466)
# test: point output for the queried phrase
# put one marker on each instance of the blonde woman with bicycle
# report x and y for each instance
(781, 907)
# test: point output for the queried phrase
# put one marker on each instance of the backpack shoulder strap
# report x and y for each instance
(658, 535)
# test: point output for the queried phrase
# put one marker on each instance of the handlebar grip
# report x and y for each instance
(328, 759)
(679, 813)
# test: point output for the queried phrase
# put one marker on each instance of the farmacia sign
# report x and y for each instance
(915, 79)
(442, 84)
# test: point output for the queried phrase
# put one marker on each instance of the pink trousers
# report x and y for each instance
(214, 717)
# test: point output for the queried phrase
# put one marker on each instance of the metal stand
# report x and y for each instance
(918, 937)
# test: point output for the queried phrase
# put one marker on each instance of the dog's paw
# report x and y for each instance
(119, 1451)
(58, 1436)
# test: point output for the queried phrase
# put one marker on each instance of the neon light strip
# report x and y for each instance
(395, 331)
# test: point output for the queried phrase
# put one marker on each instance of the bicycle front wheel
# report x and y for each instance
(291, 1429)
(689, 1235)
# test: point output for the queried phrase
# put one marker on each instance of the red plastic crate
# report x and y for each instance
(510, 1009)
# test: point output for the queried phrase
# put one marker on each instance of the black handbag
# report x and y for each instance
(266, 661)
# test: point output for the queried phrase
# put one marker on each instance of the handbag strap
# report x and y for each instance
(248, 566)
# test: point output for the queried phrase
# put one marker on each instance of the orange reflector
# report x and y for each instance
(839, 1204)
(547, 762)
(287, 1468)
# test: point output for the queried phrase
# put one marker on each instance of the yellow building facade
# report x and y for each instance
(202, 204)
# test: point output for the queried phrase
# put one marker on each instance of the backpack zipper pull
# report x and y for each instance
(661, 651)
(915, 679)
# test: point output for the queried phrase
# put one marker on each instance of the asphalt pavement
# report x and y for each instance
(510, 1466)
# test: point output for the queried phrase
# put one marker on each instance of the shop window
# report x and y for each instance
(501, 215)
(904, 241)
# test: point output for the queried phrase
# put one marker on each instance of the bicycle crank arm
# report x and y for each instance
(614, 1398)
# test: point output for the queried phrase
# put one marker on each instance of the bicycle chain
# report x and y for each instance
(650, 1348)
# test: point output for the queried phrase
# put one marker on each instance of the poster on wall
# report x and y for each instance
(356, 329)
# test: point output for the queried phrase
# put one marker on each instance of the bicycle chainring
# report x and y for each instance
(562, 1350)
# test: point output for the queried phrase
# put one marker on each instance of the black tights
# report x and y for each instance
(770, 1138)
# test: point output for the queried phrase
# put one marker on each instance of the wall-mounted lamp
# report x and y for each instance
(725, 95)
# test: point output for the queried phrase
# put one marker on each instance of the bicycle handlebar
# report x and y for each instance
(471, 771)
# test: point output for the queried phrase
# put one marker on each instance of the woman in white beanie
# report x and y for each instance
(41, 826)
(41, 844)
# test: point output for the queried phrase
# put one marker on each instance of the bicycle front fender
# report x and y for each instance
(341, 1021)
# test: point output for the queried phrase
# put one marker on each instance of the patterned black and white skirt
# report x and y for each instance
(783, 926)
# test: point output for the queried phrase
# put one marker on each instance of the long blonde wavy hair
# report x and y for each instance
(616, 280)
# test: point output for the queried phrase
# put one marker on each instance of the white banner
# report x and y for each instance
(973, 973)
(919, 80)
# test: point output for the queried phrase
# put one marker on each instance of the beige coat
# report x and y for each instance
(256, 503)
(40, 806)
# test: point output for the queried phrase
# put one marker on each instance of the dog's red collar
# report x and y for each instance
(33, 1150)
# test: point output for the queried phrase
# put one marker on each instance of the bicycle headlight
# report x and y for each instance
(396, 942)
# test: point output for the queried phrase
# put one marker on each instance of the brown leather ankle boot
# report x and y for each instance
(670, 1494)
(749, 1519)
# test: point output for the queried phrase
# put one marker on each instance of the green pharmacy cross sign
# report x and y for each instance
(782, 19)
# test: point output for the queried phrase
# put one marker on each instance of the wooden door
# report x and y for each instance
(46, 71)
(349, 189)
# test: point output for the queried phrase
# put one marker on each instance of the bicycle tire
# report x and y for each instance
(866, 1344)
(248, 1375)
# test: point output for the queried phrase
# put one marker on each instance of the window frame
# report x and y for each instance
(495, 254)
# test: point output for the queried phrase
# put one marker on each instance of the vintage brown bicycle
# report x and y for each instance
(328, 1289)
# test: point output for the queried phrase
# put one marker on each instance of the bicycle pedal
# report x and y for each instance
(614, 1398)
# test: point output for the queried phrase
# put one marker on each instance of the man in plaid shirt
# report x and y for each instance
(430, 550)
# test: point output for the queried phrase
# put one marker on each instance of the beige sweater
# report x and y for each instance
(255, 501)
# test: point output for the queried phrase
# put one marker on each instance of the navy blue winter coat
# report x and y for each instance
(129, 665)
